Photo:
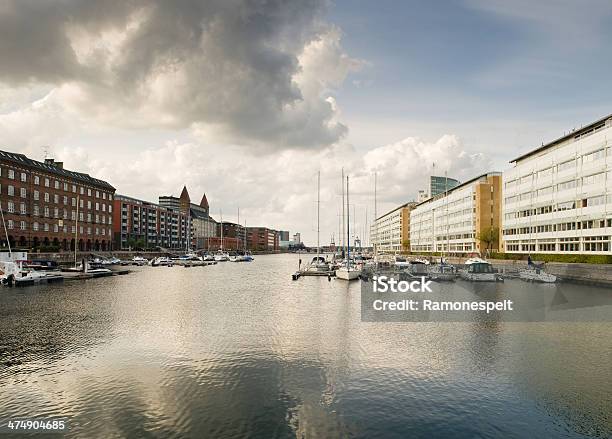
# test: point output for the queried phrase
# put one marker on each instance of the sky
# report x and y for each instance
(248, 100)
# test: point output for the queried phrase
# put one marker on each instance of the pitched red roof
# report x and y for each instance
(184, 194)
(204, 202)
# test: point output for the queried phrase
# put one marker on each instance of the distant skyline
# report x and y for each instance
(246, 101)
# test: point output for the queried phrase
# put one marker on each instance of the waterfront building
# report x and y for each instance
(558, 197)
(422, 195)
(47, 207)
(391, 231)
(204, 226)
(439, 185)
(466, 219)
(142, 224)
(297, 238)
(262, 239)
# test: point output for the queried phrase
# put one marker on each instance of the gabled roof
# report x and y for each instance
(184, 194)
(204, 202)
(21, 159)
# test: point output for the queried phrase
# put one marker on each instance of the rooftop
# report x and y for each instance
(456, 188)
(21, 159)
(574, 134)
(408, 204)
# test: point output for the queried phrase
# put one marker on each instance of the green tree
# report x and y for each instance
(489, 236)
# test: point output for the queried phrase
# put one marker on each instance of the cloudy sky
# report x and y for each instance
(247, 99)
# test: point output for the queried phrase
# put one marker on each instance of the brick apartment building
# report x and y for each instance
(47, 207)
(142, 224)
(262, 239)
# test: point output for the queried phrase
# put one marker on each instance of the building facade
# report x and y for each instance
(146, 225)
(439, 185)
(391, 231)
(47, 207)
(262, 239)
(204, 226)
(558, 197)
(467, 219)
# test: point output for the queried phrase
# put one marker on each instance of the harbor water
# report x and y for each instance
(240, 350)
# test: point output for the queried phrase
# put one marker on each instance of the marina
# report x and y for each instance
(112, 354)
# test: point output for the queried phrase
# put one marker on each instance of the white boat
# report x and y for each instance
(221, 256)
(319, 263)
(348, 272)
(475, 260)
(534, 274)
(443, 272)
(34, 277)
(162, 261)
(139, 260)
(481, 272)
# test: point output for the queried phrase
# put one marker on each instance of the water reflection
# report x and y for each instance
(239, 350)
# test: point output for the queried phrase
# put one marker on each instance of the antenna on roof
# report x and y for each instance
(45, 149)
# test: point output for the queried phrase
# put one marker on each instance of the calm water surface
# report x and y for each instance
(239, 350)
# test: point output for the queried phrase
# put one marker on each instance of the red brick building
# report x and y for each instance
(146, 225)
(47, 207)
(262, 239)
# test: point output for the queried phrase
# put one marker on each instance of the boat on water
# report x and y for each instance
(161, 261)
(443, 273)
(319, 263)
(348, 271)
(13, 274)
(475, 260)
(535, 274)
(221, 256)
(139, 260)
(481, 272)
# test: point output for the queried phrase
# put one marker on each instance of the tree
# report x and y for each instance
(489, 236)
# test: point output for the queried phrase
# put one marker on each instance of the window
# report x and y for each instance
(46, 197)
(24, 177)
(47, 182)
(36, 195)
(55, 228)
(35, 210)
(10, 207)
(65, 200)
(11, 174)
(566, 165)
(47, 211)
(97, 194)
(82, 190)
(46, 227)
(36, 179)
(35, 226)
(65, 186)
(593, 179)
(88, 204)
(89, 192)
(10, 224)
(22, 225)
(73, 202)
(566, 185)
(597, 155)
(22, 208)
(56, 198)
(23, 192)
(74, 188)
(11, 190)
(57, 184)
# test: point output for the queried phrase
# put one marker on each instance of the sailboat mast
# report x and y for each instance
(76, 231)
(6, 233)
(375, 222)
(221, 217)
(348, 223)
(342, 235)
(318, 213)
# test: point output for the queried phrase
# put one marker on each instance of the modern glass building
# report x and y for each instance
(439, 185)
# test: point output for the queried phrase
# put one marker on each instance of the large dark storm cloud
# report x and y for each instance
(230, 67)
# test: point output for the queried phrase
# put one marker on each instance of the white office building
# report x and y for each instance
(390, 232)
(455, 222)
(558, 197)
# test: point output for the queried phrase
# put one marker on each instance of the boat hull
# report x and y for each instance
(345, 274)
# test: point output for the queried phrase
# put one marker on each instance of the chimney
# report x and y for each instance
(59, 165)
(49, 161)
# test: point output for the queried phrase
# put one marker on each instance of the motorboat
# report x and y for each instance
(475, 260)
(481, 272)
(34, 277)
(139, 260)
(162, 261)
(319, 263)
(221, 256)
(208, 258)
(443, 272)
(536, 274)
(401, 262)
